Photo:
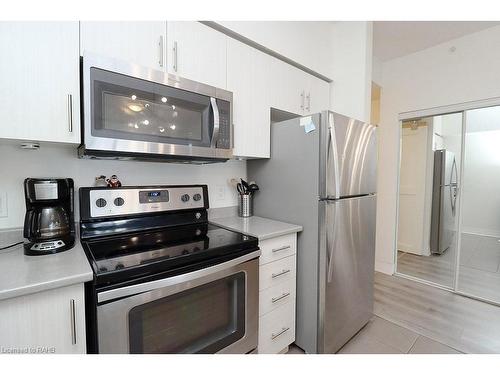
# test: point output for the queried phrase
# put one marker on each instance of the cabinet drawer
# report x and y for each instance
(277, 272)
(277, 248)
(277, 329)
(276, 296)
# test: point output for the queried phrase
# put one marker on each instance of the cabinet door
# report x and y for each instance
(248, 77)
(51, 321)
(289, 87)
(197, 52)
(142, 43)
(39, 81)
(318, 95)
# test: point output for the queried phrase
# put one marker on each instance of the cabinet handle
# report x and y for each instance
(276, 335)
(73, 321)
(70, 113)
(174, 60)
(281, 248)
(276, 299)
(302, 100)
(308, 108)
(275, 275)
(160, 45)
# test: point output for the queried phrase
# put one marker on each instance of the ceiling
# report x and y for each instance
(392, 39)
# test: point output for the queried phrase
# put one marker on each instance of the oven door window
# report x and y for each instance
(129, 108)
(204, 319)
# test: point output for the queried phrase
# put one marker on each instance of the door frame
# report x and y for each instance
(429, 112)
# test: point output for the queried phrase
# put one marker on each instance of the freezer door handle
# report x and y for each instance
(333, 161)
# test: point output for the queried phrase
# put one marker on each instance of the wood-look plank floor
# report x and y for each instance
(467, 325)
(479, 271)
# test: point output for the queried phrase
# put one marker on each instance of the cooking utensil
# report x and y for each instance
(240, 189)
(253, 187)
(245, 186)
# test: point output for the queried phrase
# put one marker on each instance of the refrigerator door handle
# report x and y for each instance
(331, 241)
(334, 158)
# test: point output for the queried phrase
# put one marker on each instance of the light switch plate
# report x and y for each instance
(3, 204)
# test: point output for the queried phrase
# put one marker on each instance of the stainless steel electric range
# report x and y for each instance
(165, 280)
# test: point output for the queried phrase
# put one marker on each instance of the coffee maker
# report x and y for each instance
(49, 224)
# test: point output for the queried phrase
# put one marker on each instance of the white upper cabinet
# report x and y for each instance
(197, 52)
(317, 95)
(249, 73)
(39, 81)
(142, 43)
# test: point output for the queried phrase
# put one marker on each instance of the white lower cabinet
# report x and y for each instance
(277, 290)
(51, 321)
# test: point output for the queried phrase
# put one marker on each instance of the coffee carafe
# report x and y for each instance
(49, 224)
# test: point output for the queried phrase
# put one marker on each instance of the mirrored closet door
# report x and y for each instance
(428, 191)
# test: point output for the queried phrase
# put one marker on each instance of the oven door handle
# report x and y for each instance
(170, 281)
(215, 132)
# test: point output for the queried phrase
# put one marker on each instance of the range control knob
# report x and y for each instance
(197, 197)
(101, 202)
(119, 266)
(185, 197)
(119, 201)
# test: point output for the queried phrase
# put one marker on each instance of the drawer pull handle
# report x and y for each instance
(275, 275)
(276, 299)
(73, 321)
(276, 335)
(281, 248)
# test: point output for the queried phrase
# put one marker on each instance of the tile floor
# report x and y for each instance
(380, 336)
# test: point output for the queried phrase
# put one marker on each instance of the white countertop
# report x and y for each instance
(21, 274)
(256, 226)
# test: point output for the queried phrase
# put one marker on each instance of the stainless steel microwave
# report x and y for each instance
(133, 112)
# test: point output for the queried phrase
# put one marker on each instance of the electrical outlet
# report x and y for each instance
(3, 204)
(220, 192)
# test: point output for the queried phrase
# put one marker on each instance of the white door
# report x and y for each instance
(197, 52)
(415, 148)
(142, 43)
(248, 77)
(39, 81)
(52, 320)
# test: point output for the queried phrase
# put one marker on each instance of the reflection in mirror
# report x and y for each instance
(429, 177)
(479, 272)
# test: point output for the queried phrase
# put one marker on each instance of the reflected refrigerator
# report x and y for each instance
(322, 175)
(444, 199)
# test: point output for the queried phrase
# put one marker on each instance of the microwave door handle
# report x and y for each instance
(215, 132)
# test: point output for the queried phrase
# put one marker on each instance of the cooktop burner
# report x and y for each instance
(169, 246)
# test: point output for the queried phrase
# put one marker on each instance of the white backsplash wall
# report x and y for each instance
(61, 161)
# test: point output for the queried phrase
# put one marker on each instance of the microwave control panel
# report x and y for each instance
(224, 124)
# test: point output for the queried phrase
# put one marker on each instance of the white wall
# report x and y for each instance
(430, 78)
(61, 161)
(481, 188)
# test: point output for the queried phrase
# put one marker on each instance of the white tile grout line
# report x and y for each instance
(419, 334)
(412, 345)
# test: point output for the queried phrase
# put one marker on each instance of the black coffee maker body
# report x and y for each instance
(49, 224)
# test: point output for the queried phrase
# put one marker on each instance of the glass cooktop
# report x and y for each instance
(171, 247)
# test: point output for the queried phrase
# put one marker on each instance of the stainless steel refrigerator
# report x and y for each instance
(322, 175)
(444, 198)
